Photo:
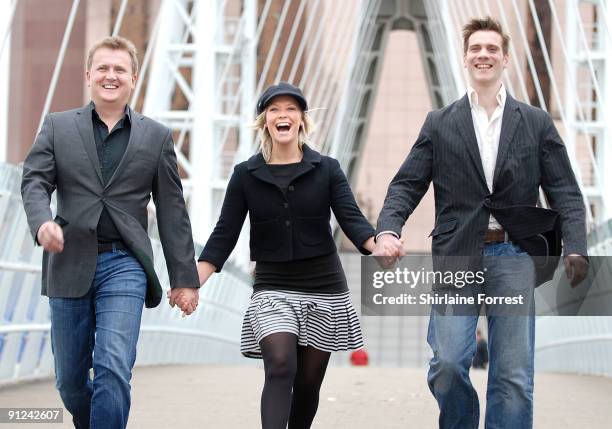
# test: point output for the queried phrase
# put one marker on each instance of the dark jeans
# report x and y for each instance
(100, 331)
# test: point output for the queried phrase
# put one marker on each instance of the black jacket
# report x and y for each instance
(286, 227)
(531, 155)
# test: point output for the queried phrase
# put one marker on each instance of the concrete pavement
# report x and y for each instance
(223, 397)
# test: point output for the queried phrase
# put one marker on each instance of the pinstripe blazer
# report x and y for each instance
(531, 155)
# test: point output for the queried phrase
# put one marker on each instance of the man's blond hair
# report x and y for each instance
(115, 42)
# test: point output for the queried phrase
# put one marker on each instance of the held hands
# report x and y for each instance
(388, 249)
(186, 298)
(576, 268)
(51, 237)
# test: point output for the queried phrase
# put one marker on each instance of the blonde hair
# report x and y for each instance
(265, 139)
(115, 42)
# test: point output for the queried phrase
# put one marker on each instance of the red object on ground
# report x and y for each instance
(359, 358)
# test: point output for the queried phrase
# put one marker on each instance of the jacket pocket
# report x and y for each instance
(266, 235)
(444, 228)
(313, 230)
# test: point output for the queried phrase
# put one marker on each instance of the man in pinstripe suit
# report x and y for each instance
(487, 155)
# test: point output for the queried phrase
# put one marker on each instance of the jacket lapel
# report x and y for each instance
(258, 167)
(465, 123)
(310, 158)
(137, 131)
(510, 121)
(84, 125)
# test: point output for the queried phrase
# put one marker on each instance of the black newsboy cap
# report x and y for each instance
(283, 88)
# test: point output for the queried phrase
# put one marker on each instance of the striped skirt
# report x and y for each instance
(327, 322)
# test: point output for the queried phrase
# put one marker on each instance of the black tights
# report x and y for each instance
(293, 378)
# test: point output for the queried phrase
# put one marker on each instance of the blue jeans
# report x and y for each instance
(511, 351)
(105, 322)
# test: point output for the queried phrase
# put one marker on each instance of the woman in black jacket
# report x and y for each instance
(300, 310)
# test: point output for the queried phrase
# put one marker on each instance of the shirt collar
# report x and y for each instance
(94, 114)
(500, 97)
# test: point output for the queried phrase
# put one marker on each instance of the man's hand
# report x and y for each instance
(51, 237)
(186, 298)
(576, 268)
(388, 249)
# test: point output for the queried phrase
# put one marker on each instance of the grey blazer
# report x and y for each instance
(64, 159)
(531, 154)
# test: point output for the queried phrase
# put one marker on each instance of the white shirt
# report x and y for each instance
(487, 132)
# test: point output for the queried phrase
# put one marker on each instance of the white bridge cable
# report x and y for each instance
(297, 59)
(328, 96)
(532, 69)
(314, 47)
(359, 76)
(305, 37)
(319, 86)
(607, 18)
(59, 61)
(147, 58)
(357, 93)
(173, 64)
(457, 26)
(9, 26)
(262, 19)
(273, 46)
(287, 51)
(518, 71)
(557, 96)
(579, 107)
(337, 113)
(312, 81)
(119, 19)
(234, 107)
(235, 103)
(363, 40)
(588, 55)
(230, 57)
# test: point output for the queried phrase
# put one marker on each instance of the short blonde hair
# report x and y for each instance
(265, 139)
(115, 42)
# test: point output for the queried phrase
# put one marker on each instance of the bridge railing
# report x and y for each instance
(210, 335)
(578, 344)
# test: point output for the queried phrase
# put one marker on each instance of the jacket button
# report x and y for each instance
(291, 188)
(286, 205)
(288, 223)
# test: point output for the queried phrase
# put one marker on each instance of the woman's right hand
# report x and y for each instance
(205, 270)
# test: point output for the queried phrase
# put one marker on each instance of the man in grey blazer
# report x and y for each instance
(104, 161)
(487, 156)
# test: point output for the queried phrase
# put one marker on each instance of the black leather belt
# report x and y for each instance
(109, 247)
